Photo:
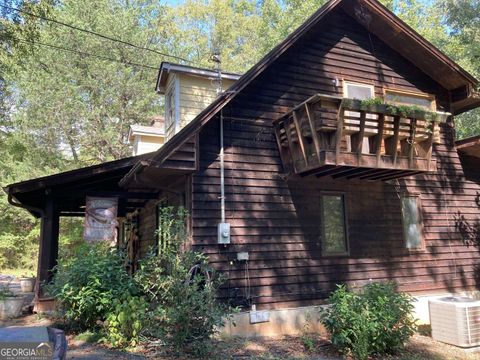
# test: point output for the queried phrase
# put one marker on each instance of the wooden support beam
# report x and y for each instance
(411, 142)
(352, 173)
(430, 141)
(338, 142)
(365, 175)
(48, 247)
(401, 174)
(327, 170)
(348, 172)
(316, 141)
(336, 170)
(124, 194)
(379, 137)
(357, 145)
(286, 126)
(379, 174)
(394, 143)
(300, 136)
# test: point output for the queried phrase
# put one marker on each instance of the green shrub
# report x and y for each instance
(375, 321)
(184, 310)
(181, 290)
(125, 322)
(87, 284)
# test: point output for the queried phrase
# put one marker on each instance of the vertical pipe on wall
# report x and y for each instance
(222, 170)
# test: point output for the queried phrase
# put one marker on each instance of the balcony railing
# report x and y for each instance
(346, 138)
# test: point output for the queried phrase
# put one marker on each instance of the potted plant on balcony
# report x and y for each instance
(10, 304)
(27, 283)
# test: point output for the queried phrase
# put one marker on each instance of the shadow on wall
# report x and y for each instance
(469, 230)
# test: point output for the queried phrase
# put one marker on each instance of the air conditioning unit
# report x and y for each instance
(455, 320)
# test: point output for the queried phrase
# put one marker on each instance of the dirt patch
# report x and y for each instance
(420, 347)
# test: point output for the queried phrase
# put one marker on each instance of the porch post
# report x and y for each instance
(48, 248)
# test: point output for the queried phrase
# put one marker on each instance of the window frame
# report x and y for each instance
(421, 247)
(418, 94)
(346, 82)
(172, 117)
(345, 224)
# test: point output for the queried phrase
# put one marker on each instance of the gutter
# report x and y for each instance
(36, 212)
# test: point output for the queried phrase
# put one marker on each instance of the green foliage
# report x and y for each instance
(87, 284)
(5, 292)
(366, 103)
(88, 336)
(307, 338)
(184, 310)
(375, 321)
(181, 288)
(125, 322)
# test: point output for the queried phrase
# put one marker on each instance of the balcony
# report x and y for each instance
(347, 138)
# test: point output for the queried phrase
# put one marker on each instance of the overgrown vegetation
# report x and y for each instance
(88, 284)
(181, 288)
(374, 321)
(172, 296)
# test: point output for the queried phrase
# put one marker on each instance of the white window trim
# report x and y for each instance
(359, 84)
(433, 106)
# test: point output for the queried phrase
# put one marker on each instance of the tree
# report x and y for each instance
(463, 19)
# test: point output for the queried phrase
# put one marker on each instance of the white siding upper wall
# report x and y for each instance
(195, 94)
(144, 144)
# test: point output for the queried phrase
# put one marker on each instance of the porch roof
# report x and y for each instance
(70, 188)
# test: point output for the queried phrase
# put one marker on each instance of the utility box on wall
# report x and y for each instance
(224, 233)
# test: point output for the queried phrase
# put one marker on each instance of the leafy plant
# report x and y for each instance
(88, 284)
(125, 322)
(366, 103)
(307, 339)
(376, 320)
(5, 292)
(182, 289)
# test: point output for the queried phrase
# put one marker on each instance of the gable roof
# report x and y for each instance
(378, 20)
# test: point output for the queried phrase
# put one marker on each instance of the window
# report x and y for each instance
(409, 98)
(170, 113)
(358, 91)
(412, 222)
(334, 237)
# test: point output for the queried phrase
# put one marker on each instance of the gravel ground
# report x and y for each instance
(287, 348)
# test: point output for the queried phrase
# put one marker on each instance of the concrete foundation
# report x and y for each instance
(295, 321)
(282, 322)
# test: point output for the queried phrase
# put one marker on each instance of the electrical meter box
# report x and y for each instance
(224, 233)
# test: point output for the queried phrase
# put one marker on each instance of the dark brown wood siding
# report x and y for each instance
(174, 192)
(276, 218)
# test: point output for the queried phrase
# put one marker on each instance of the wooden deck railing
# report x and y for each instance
(328, 135)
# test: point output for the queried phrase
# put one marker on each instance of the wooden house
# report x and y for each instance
(297, 178)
